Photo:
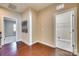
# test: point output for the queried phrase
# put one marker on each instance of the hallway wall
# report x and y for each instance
(25, 36)
(46, 19)
(35, 26)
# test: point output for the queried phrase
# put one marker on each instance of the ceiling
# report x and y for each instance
(20, 7)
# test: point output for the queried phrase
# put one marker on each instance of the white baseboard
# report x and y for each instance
(18, 40)
(29, 43)
(47, 44)
(34, 42)
(39, 42)
(26, 43)
(43, 43)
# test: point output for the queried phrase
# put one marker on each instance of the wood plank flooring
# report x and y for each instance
(38, 49)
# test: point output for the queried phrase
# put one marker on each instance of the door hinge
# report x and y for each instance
(72, 45)
(73, 15)
(72, 30)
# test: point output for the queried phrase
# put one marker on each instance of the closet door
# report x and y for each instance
(64, 30)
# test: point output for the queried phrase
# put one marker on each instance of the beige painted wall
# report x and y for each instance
(34, 26)
(46, 30)
(4, 12)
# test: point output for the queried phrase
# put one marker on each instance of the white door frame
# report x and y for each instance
(75, 19)
(3, 36)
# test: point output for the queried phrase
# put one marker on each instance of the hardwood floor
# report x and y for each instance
(21, 49)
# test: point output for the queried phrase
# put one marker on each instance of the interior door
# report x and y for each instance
(64, 30)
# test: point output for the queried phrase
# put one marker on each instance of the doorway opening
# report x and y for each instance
(9, 30)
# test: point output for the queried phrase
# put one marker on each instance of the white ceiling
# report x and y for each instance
(20, 7)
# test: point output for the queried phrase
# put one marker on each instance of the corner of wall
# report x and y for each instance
(25, 42)
(34, 42)
(53, 46)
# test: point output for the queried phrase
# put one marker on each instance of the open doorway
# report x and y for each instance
(10, 32)
(66, 37)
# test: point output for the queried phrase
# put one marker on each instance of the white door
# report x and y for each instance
(64, 30)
